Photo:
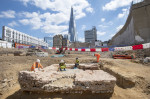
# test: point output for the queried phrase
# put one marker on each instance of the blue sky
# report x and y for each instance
(43, 18)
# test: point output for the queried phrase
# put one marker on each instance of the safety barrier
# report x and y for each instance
(125, 48)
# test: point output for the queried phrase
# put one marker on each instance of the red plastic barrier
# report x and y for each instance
(83, 50)
(70, 49)
(66, 48)
(93, 50)
(105, 49)
(53, 47)
(76, 49)
(136, 47)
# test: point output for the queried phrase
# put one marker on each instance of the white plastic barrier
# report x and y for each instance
(87, 50)
(73, 49)
(98, 49)
(146, 45)
(127, 48)
(120, 48)
(49, 47)
(79, 49)
(117, 48)
(123, 48)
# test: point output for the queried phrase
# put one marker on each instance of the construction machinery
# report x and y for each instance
(60, 51)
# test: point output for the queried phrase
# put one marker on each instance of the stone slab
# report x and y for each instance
(70, 81)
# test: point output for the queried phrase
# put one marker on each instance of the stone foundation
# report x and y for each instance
(70, 81)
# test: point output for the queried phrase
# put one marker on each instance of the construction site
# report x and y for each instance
(109, 78)
(29, 69)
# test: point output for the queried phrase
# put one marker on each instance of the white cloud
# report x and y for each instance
(35, 22)
(83, 27)
(80, 15)
(119, 27)
(49, 23)
(102, 19)
(89, 9)
(54, 28)
(101, 33)
(102, 26)
(24, 21)
(52, 23)
(114, 4)
(12, 24)
(81, 39)
(63, 6)
(124, 13)
(7, 14)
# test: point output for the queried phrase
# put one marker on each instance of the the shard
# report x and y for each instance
(72, 28)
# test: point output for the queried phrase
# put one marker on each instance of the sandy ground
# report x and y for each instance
(11, 65)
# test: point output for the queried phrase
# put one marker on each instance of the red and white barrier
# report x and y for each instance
(126, 48)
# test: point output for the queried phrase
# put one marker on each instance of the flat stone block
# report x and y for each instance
(69, 81)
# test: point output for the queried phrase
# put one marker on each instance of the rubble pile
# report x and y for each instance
(69, 81)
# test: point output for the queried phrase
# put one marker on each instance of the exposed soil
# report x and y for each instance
(136, 72)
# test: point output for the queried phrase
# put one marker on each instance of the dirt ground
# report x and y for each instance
(11, 65)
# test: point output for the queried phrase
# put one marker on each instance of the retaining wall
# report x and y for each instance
(137, 27)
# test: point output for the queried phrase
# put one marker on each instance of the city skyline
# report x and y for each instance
(43, 19)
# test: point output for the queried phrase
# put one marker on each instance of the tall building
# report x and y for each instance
(91, 36)
(57, 41)
(67, 36)
(65, 42)
(49, 40)
(72, 28)
(14, 36)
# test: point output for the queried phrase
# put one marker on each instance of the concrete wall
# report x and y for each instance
(137, 27)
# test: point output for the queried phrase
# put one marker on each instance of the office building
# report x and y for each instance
(67, 36)
(91, 35)
(65, 42)
(14, 36)
(57, 41)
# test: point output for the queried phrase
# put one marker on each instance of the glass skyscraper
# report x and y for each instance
(72, 28)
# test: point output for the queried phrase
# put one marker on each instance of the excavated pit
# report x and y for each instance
(88, 78)
(124, 80)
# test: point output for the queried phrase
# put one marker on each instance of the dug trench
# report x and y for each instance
(125, 78)
(122, 80)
